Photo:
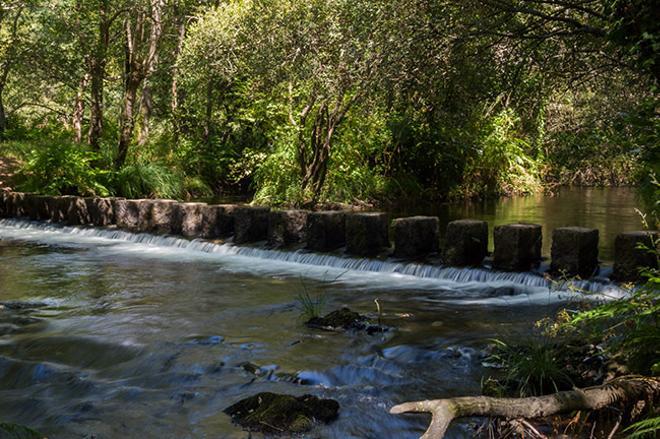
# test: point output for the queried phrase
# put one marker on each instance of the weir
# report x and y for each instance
(517, 246)
(503, 285)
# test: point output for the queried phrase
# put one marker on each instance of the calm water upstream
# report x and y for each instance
(115, 335)
(610, 210)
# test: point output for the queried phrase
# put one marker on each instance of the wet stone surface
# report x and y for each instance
(631, 253)
(273, 413)
(345, 320)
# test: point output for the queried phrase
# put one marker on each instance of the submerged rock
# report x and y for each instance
(344, 320)
(272, 413)
(15, 431)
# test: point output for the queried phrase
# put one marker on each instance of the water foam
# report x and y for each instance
(459, 285)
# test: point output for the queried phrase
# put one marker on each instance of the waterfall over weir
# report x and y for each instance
(460, 285)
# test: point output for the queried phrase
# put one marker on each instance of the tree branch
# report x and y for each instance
(625, 389)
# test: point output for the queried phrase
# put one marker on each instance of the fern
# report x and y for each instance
(645, 428)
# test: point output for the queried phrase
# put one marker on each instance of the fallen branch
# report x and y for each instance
(624, 389)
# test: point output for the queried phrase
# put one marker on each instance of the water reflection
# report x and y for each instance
(610, 210)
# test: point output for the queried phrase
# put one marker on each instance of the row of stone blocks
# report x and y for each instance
(517, 247)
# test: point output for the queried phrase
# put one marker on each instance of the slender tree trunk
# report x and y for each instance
(314, 169)
(97, 76)
(7, 64)
(174, 91)
(79, 108)
(96, 107)
(3, 115)
(127, 121)
(138, 66)
(146, 108)
(208, 118)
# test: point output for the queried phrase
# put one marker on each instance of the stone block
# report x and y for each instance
(517, 247)
(144, 215)
(16, 205)
(127, 214)
(192, 219)
(416, 236)
(224, 220)
(366, 233)
(4, 204)
(629, 257)
(574, 251)
(42, 205)
(326, 231)
(466, 243)
(31, 206)
(287, 227)
(54, 209)
(73, 210)
(217, 221)
(101, 211)
(165, 217)
(250, 224)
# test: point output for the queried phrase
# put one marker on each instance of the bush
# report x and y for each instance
(501, 164)
(58, 167)
(139, 180)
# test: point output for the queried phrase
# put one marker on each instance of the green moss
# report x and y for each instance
(341, 319)
(15, 431)
(272, 413)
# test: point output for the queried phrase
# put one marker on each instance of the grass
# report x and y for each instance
(310, 307)
(531, 368)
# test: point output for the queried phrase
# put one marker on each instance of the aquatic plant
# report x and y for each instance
(310, 306)
(531, 369)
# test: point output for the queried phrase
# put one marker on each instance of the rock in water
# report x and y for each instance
(272, 413)
(344, 320)
(15, 431)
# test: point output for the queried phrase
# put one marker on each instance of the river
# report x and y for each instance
(113, 335)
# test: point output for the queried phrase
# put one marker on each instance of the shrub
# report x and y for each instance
(59, 167)
(501, 164)
(141, 179)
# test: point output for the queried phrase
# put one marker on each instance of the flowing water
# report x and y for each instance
(109, 334)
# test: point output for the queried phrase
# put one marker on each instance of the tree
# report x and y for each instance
(143, 27)
(11, 14)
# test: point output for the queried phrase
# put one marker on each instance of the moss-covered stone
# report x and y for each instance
(272, 413)
(15, 431)
(344, 320)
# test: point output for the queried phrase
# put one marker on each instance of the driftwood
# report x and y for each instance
(628, 389)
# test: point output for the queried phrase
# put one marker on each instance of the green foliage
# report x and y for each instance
(56, 166)
(629, 326)
(15, 431)
(140, 179)
(634, 25)
(412, 100)
(501, 164)
(310, 307)
(533, 368)
(647, 428)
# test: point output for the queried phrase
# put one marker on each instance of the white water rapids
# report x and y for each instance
(455, 285)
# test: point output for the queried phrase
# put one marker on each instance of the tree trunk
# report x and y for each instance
(444, 411)
(7, 64)
(127, 121)
(174, 91)
(138, 66)
(97, 76)
(208, 118)
(146, 107)
(79, 108)
(3, 116)
(314, 169)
